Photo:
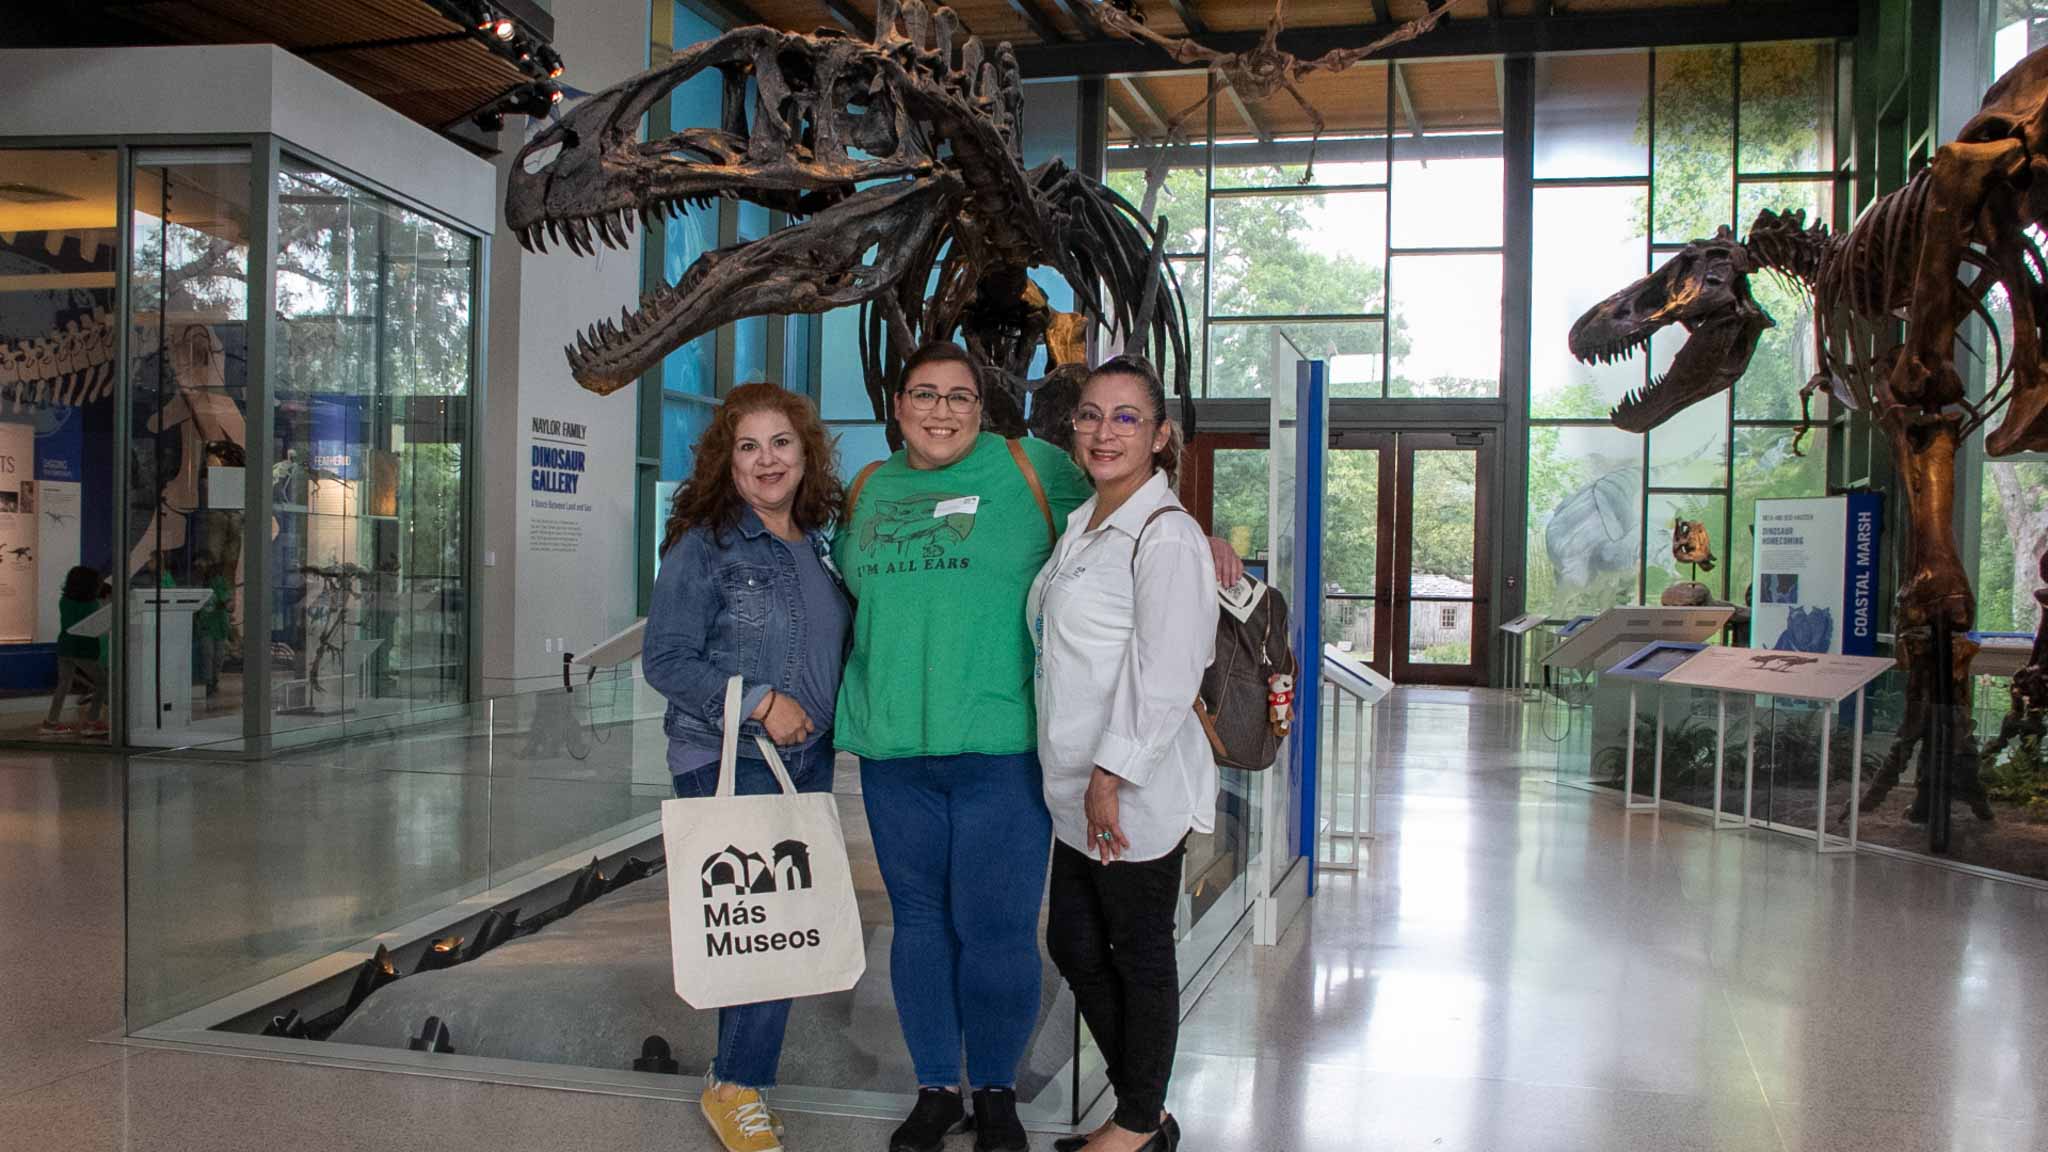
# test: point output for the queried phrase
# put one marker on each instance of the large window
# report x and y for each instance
(1637, 154)
(371, 410)
(1386, 264)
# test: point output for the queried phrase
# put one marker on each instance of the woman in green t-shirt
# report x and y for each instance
(939, 548)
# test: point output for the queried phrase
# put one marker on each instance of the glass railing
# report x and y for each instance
(244, 867)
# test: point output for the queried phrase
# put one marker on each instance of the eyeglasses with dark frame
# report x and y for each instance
(926, 399)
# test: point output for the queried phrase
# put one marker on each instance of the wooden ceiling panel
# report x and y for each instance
(1454, 95)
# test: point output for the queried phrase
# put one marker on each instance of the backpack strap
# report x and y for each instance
(860, 482)
(1023, 460)
(1156, 514)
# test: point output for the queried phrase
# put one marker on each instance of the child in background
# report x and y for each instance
(79, 661)
(210, 625)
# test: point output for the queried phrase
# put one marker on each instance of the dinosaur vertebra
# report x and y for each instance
(906, 147)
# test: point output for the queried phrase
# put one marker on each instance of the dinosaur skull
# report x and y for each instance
(824, 129)
(1705, 288)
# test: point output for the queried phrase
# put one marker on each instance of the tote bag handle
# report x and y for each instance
(729, 749)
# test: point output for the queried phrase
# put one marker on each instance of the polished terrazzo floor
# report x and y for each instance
(1520, 967)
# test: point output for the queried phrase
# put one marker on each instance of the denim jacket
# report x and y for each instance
(719, 608)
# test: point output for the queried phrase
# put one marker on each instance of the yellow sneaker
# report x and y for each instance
(740, 1118)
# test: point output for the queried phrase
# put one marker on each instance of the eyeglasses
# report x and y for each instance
(926, 399)
(1122, 422)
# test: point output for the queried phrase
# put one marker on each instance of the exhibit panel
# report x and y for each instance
(59, 243)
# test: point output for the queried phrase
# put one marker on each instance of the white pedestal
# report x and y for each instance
(160, 665)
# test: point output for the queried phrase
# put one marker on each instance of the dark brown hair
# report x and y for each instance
(709, 497)
(940, 352)
(1167, 459)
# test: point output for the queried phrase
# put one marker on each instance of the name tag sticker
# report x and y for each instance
(959, 506)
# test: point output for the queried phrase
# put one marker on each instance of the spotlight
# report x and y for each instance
(555, 72)
(554, 95)
(498, 26)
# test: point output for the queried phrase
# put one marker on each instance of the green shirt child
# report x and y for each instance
(940, 562)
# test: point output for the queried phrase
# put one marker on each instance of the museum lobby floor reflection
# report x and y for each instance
(1520, 967)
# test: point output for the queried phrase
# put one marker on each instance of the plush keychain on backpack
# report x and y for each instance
(1280, 703)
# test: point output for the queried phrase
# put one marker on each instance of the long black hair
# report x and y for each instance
(82, 583)
(1167, 459)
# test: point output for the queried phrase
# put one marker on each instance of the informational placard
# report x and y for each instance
(18, 576)
(1593, 646)
(1653, 662)
(557, 452)
(1816, 574)
(1786, 675)
(1522, 625)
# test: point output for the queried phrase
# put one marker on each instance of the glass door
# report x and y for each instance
(1441, 558)
(1358, 546)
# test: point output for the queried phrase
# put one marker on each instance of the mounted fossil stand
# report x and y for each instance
(899, 165)
(1930, 254)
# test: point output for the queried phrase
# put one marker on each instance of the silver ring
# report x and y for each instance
(1103, 835)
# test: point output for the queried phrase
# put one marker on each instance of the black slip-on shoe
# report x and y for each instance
(996, 1127)
(938, 1113)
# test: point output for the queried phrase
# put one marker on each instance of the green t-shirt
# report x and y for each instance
(940, 563)
(70, 612)
(212, 620)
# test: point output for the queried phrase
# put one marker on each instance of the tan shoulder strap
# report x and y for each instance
(859, 482)
(1023, 460)
(1156, 514)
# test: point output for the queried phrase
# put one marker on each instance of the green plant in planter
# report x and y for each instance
(2020, 777)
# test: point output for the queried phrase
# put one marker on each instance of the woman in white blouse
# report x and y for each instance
(1124, 616)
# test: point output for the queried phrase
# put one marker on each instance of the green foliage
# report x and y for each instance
(2020, 777)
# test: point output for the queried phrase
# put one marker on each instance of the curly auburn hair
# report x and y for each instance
(709, 496)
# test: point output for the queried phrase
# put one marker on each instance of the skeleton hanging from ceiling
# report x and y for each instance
(899, 165)
(1930, 253)
(1260, 72)
(72, 366)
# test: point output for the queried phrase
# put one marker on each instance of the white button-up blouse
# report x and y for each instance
(1121, 652)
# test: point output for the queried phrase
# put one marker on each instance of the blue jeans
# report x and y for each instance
(962, 842)
(750, 1035)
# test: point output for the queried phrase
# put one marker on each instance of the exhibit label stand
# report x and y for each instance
(1819, 677)
(1351, 680)
(1590, 647)
(160, 663)
(1517, 631)
(1648, 665)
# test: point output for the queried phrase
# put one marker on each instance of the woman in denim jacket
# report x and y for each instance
(746, 588)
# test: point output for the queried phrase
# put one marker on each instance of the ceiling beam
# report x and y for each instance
(1154, 115)
(1406, 102)
(1185, 9)
(850, 18)
(1123, 126)
(1493, 9)
(1592, 31)
(1035, 18)
(1380, 14)
(1077, 11)
(1245, 113)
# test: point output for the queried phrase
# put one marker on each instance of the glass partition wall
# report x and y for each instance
(272, 365)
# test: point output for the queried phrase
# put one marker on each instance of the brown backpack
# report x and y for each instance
(1233, 705)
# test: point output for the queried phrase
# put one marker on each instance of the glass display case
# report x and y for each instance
(235, 407)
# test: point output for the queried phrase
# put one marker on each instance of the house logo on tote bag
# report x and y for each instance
(731, 872)
(773, 914)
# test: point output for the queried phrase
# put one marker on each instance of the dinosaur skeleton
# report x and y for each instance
(341, 587)
(898, 162)
(1262, 71)
(1929, 254)
(70, 367)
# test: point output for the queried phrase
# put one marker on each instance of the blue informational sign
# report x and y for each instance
(1815, 562)
(1311, 384)
(60, 445)
(336, 420)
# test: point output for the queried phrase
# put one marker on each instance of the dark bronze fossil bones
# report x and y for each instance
(1928, 254)
(898, 164)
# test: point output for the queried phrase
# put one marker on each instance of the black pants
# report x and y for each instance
(1109, 929)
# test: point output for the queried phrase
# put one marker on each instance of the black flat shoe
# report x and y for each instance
(938, 1114)
(1169, 1131)
(996, 1127)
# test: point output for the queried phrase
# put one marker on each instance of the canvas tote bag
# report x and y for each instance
(760, 899)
